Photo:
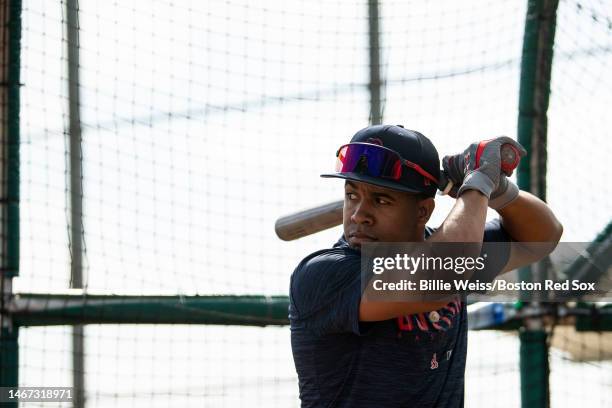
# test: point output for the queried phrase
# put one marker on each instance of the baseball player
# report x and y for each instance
(349, 352)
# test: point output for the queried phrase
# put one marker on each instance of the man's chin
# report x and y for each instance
(355, 242)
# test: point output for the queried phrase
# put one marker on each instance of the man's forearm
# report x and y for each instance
(466, 220)
(529, 219)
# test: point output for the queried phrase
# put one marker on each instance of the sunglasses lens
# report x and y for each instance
(344, 162)
(367, 159)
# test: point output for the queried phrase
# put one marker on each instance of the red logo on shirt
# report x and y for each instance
(440, 321)
(434, 362)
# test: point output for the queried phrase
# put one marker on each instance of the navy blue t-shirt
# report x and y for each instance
(411, 361)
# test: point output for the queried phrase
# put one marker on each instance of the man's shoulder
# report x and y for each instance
(321, 278)
(321, 261)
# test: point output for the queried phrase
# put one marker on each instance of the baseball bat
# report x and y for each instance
(310, 221)
(313, 220)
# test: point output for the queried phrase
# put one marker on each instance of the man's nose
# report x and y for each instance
(362, 213)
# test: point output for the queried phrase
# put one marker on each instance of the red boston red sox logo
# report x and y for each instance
(434, 362)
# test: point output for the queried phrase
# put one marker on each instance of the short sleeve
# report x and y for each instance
(495, 232)
(325, 292)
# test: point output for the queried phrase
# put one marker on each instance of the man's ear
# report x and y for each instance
(425, 208)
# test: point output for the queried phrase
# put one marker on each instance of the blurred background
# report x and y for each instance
(158, 141)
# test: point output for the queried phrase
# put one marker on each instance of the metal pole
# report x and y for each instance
(77, 306)
(76, 194)
(536, 66)
(375, 80)
(10, 49)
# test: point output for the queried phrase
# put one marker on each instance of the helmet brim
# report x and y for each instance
(374, 181)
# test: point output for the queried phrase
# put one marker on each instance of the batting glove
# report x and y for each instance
(505, 193)
(479, 168)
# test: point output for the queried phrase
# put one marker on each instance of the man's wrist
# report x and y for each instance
(479, 181)
(505, 198)
(474, 196)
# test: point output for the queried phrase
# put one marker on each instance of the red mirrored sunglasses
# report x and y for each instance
(375, 161)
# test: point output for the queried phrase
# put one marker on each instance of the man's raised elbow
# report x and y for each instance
(557, 232)
(553, 238)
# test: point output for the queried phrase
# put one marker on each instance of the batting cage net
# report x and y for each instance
(160, 140)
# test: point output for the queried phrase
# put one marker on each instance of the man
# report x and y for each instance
(350, 352)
